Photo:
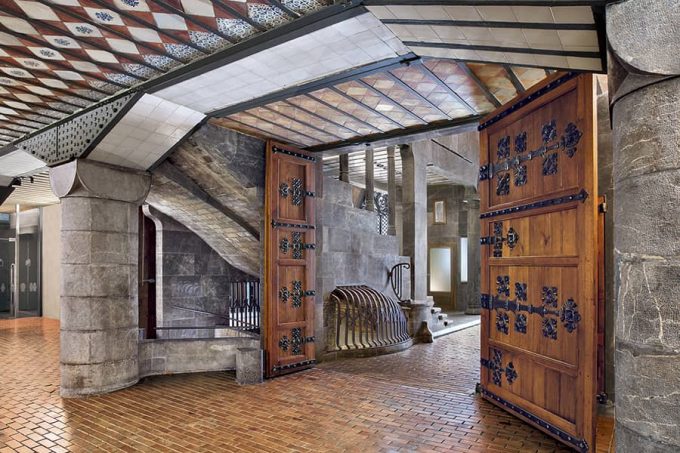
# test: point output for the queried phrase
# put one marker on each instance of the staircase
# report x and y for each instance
(442, 324)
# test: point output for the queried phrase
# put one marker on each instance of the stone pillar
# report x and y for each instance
(370, 183)
(391, 192)
(99, 313)
(474, 306)
(344, 167)
(645, 101)
(414, 205)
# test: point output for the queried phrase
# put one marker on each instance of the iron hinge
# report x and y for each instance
(310, 339)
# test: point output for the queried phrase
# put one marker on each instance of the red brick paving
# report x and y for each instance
(421, 400)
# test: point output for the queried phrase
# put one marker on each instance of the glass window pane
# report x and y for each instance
(463, 260)
(440, 269)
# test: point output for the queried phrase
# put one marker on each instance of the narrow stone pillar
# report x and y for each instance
(344, 167)
(414, 218)
(645, 101)
(391, 192)
(99, 319)
(370, 183)
(474, 306)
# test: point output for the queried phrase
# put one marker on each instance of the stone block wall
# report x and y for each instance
(349, 251)
(191, 278)
(190, 356)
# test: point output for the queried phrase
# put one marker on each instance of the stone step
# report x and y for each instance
(436, 310)
(442, 316)
(454, 328)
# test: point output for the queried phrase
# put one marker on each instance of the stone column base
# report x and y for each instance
(248, 366)
(419, 317)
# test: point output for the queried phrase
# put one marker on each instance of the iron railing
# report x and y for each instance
(363, 318)
(241, 314)
(395, 276)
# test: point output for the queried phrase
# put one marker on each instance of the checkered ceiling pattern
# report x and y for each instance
(404, 98)
(59, 56)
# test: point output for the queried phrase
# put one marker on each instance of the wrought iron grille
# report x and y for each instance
(363, 318)
(241, 313)
(382, 209)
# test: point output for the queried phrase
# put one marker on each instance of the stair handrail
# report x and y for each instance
(395, 277)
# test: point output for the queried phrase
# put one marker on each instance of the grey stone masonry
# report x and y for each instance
(99, 319)
(645, 100)
(192, 279)
(349, 251)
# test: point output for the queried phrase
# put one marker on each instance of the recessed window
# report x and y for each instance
(463, 260)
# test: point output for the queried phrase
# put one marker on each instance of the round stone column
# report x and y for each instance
(645, 100)
(99, 313)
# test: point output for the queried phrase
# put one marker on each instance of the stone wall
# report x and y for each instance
(349, 251)
(191, 356)
(191, 277)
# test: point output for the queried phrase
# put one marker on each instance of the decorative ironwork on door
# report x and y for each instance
(537, 172)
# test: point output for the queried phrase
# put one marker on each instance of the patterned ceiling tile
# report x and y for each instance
(432, 89)
(355, 109)
(450, 73)
(336, 131)
(267, 127)
(529, 76)
(290, 124)
(94, 48)
(496, 79)
(391, 87)
(372, 98)
(333, 114)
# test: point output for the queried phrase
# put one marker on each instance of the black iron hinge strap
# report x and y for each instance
(305, 226)
(493, 302)
(276, 150)
(580, 196)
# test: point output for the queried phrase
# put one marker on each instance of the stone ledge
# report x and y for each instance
(175, 356)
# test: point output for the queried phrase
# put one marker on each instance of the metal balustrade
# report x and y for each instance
(241, 315)
(363, 318)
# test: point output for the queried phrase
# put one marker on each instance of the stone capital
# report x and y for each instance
(643, 34)
(86, 178)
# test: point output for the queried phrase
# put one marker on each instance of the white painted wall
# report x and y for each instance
(51, 260)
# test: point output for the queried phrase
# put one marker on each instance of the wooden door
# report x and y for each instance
(289, 260)
(539, 224)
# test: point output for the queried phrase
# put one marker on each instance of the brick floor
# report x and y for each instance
(420, 400)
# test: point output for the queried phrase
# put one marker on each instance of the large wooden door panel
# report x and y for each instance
(538, 210)
(289, 260)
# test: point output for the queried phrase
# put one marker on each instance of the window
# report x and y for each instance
(440, 269)
(463, 260)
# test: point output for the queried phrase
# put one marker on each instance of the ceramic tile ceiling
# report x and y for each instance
(563, 37)
(34, 191)
(58, 56)
(404, 98)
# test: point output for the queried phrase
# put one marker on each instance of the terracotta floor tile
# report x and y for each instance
(420, 400)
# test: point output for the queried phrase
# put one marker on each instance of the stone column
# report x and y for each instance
(474, 306)
(370, 183)
(645, 101)
(391, 191)
(414, 205)
(344, 167)
(99, 319)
